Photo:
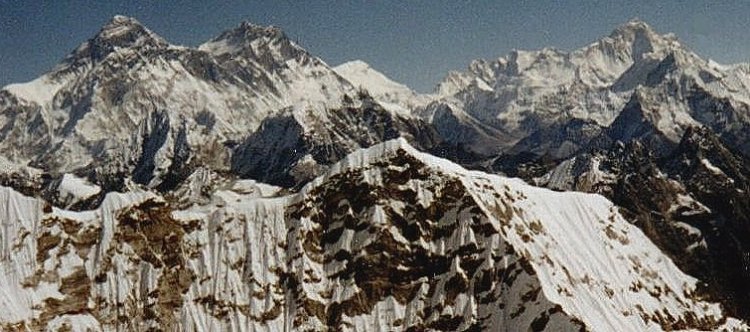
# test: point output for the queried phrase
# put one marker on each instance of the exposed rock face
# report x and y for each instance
(293, 148)
(559, 141)
(718, 179)
(389, 238)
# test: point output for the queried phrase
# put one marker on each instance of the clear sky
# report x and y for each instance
(414, 42)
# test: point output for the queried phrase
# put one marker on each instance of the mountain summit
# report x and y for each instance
(122, 31)
(639, 35)
(240, 38)
(119, 33)
(269, 45)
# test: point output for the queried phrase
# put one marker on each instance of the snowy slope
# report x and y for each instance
(417, 242)
(696, 205)
(380, 86)
(73, 189)
(377, 84)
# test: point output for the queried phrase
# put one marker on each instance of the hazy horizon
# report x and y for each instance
(415, 43)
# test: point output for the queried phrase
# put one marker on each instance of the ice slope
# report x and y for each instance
(380, 86)
(388, 239)
(48, 259)
(588, 259)
(695, 207)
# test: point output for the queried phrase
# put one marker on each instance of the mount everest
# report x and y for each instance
(245, 184)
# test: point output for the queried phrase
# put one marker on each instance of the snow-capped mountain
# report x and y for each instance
(616, 117)
(128, 102)
(264, 57)
(380, 86)
(531, 92)
(415, 243)
(138, 181)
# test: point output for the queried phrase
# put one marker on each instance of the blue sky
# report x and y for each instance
(414, 42)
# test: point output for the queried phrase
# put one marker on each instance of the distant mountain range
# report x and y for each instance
(247, 185)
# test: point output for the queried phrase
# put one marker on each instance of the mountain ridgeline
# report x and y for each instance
(245, 184)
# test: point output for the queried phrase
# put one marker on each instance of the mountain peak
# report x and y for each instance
(253, 30)
(353, 65)
(123, 31)
(633, 28)
(636, 23)
(634, 40)
(240, 38)
(380, 86)
(121, 20)
(118, 33)
(640, 37)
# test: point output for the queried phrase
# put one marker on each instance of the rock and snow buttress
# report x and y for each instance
(388, 238)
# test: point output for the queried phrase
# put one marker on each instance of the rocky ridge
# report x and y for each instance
(501, 257)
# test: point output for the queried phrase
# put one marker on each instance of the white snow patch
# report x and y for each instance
(362, 75)
(73, 187)
(41, 90)
(75, 323)
(711, 167)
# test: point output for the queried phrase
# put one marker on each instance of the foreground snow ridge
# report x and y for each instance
(388, 239)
